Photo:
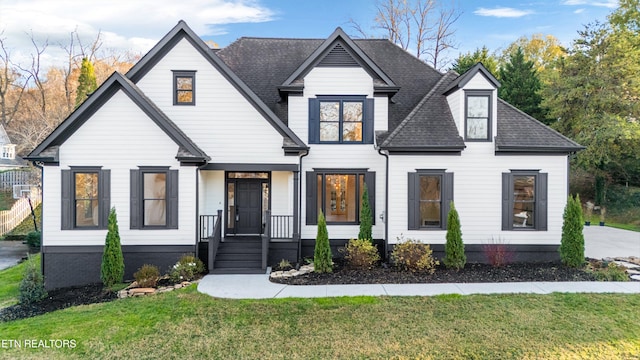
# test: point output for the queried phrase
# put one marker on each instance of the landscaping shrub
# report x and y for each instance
(498, 253)
(322, 258)
(33, 239)
(147, 276)
(572, 241)
(608, 271)
(366, 219)
(413, 256)
(32, 284)
(454, 247)
(360, 254)
(284, 265)
(188, 268)
(112, 268)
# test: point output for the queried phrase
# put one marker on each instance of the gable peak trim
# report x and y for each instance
(463, 79)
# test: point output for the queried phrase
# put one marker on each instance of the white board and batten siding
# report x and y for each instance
(477, 192)
(339, 81)
(119, 137)
(223, 122)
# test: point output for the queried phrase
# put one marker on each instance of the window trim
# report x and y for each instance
(413, 198)
(184, 74)
(540, 204)
(367, 118)
(312, 193)
(68, 197)
(479, 93)
(137, 198)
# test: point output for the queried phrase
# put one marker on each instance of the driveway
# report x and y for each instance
(11, 252)
(603, 241)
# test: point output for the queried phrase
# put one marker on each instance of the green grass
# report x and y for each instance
(185, 324)
(611, 221)
(10, 282)
(6, 200)
(26, 226)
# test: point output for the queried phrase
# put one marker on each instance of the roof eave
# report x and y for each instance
(538, 149)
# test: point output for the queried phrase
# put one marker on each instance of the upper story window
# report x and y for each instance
(524, 200)
(341, 120)
(9, 151)
(85, 198)
(478, 115)
(184, 88)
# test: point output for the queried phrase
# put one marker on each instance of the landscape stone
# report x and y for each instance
(635, 277)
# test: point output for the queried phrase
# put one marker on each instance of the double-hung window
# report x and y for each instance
(430, 193)
(478, 115)
(85, 198)
(338, 195)
(341, 120)
(154, 198)
(184, 88)
(524, 200)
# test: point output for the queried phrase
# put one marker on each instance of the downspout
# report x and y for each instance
(197, 245)
(386, 203)
(42, 248)
(299, 224)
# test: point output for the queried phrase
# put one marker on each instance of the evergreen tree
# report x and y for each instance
(572, 242)
(466, 61)
(112, 268)
(32, 284)
(322, 258)
(521, 85)
(366, 218)
(454, 247)
(87, 82)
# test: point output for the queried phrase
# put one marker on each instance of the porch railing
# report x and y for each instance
(280, 226)
(210, 230)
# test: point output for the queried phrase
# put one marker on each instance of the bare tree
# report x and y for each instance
(34, 71)
(423, 27)
(11, 90)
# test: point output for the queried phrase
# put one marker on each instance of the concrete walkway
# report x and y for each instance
(259, 287)
(11, 252)
(603, 241)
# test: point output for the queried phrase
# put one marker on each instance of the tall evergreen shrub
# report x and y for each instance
(454, 248)
(322, 262)
(572, 242)
(87, 82)
(112, 268)
(366, 218)
(32, 284)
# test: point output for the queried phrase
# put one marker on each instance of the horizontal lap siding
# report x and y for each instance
(223, 122)
(119, 137)
(477, 194)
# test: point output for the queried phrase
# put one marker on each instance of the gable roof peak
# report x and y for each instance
(463, 79)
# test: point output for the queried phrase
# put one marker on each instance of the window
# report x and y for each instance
(524, 200)
(85, 198)
(154, 198)
(342, 120)
(184, 88)
(338, 194)
(430, 193)
(478, 115)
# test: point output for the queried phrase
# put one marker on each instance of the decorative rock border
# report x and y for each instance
(305, 269)
(133, 289)
(631, 263)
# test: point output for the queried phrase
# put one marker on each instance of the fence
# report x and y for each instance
(9, 219)
(17, 177)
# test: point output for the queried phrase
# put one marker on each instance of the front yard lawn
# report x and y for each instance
(185, 324)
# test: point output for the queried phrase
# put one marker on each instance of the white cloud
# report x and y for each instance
(502, 12)
(578, 11)
(133, 25)
(611, 4)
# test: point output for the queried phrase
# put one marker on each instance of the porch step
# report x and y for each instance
(238, 271)
(240, 255)
(238, 264)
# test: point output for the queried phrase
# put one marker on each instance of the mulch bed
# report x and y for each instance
(472, 273)
(59, 299)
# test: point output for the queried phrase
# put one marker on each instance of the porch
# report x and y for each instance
(246, 254)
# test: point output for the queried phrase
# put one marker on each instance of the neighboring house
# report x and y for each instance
(8, 158)
(273, 131)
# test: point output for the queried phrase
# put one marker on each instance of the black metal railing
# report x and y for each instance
(210, 230)
(281, 226)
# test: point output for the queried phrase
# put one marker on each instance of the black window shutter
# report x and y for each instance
(447, 197)
(314, 121)
(370, 180)
(134, 200)
(368, 121)
(507, 200)
(312, 201)
(413, 203)
(172, 199)
(66, 214)
(105, 198)
(541, 206)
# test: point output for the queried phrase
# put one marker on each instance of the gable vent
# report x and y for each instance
(338, 56)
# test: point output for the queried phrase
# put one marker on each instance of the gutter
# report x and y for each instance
(299, 224)
(386, 203)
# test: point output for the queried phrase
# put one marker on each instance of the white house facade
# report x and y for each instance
(232, 153)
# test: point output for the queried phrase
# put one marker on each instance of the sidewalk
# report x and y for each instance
(259, 287)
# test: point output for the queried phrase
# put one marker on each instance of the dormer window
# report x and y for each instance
(184, 88)
(478, 115)
(9, 151)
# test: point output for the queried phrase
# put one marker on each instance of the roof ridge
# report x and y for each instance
(413, 111)
(531, 118)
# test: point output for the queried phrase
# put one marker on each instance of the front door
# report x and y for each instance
(248, 206)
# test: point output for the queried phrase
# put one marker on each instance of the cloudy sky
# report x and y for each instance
(136, 25)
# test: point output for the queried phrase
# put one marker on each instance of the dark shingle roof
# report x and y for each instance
(519, 132)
